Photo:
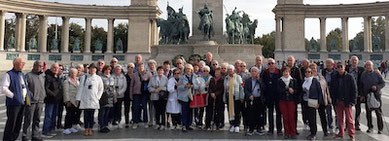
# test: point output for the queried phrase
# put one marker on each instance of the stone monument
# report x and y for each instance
(76, 45)
(54, 46)
(119, 46)
(32, 47)
(217, 10)
(11, 43)
(217, 45)
(313, 46)
(98, 46)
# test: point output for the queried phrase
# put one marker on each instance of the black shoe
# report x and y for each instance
(24, 138)
(270, 133)
(311, 137)
(115, 123)
(127, 126)
(380, 132)
(279, 132)
(357, 128)
(184, 130)
(104, 130)
(325, 134)
(36, 139)
(369, 130)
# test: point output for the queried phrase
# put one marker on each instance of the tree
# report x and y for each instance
(336, 35)
(121, 31)
(268, 43)
(9, 30)
(101, 34)
(51, 35)
(377, 29)
(32, 26)
(76, 31)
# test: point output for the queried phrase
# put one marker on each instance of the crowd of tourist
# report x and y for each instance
(193, 96)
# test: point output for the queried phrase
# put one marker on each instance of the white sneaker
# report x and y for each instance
(134, 126)
(73, 130)
(236, 129)
(120, 126)
(78, 127)
(306, 127)
(67, 131)
(232, 129)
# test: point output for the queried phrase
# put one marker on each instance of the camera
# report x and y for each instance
(90, 87)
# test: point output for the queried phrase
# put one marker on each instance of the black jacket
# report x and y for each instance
(53, 87)
(127, 93)
(271, 84)
(315, 91)
(248, 89)
(216, 87)
(347, 92)
(360, 71)
(283, 93)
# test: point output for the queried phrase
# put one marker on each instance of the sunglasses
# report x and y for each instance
(340, 66)
(205, 71)
(100, 63)
(270, 63)
(214, 64)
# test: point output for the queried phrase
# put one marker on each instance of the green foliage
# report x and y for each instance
(76, 31)
(268, 43)
(335, 34)
(121, 31)
(9, 30)
(32, 24)
(99, 33)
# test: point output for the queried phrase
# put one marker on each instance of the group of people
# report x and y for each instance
(163, 98)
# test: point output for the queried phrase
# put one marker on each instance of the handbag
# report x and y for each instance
(372, 102)
(313, 103)
(199, 101)
(163, 95)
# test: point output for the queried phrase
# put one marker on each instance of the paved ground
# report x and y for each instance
(142, 134)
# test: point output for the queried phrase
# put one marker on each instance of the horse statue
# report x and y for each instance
(208, 27)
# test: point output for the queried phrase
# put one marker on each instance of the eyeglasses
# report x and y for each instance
(270, 63)
(205, 71)
(214, 64)
(340, 66)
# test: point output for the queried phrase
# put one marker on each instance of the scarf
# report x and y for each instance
(231, 84)
(286, 80)
(307, 83)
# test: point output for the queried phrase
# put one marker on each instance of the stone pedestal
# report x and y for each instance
(11, 49)
(33, 50)
(98, 51)
(222, 53)
(76, 51)
(55, 51)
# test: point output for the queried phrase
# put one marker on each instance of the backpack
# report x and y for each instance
(372, 102)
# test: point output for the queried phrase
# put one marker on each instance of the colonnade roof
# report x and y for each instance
(333, 11)
(78, 11)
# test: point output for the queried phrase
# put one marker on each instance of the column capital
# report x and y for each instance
(322, 18)
(21, 15)
(65, 18)
(111, 19)
(88, 18)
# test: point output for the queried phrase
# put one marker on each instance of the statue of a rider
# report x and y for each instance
(203, 12)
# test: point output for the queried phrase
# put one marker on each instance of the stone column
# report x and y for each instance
(323, 38)
(386, 33)
(65, 35)
(20, 31)
(42, 35)
(88, 34)
(2, 30)
(345, 42)
(278, 35)
(367, 34)
(110, 36)
(139, 35)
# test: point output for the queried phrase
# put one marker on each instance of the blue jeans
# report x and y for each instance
(88, 118)
(104, 117)
(140, 103)
(186, 114)
(51, 111)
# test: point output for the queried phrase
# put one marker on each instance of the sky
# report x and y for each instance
(256, 9)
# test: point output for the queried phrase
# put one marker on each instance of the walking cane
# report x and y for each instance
(213, 115)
